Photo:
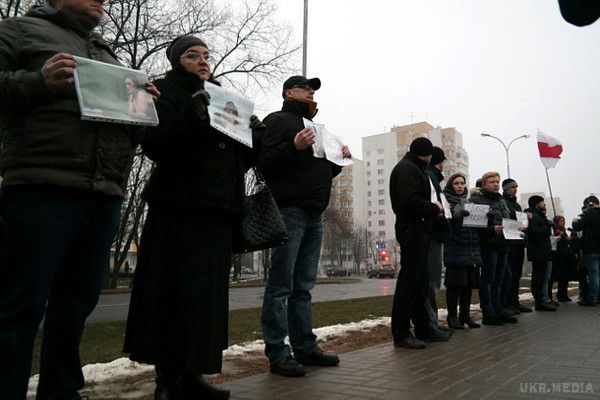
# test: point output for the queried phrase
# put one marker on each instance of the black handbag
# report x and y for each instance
(261, 226)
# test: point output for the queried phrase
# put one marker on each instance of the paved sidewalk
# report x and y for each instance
(549, 355)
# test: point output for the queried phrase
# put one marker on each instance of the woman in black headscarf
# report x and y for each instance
(179, 302)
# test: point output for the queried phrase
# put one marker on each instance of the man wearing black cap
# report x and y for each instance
(429, 330)
(62, 189)
(410, 193)
(539, 252)
(516, 253)
(589, 223)
(301, 185)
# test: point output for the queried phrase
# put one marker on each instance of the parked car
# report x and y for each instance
(382, 271)
(337, 271)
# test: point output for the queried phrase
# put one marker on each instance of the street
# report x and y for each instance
(114, 307)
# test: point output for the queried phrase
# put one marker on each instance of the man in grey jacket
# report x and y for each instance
(61, 194)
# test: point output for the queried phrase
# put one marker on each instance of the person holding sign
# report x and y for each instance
(301, 186)
(516, 253)
(410, 193)
(539, 252)
(62, 189)
(179, 302)
(493, 250)
(462, 257)
(430, 330)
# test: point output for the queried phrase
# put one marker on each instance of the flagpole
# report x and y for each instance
(551, 196)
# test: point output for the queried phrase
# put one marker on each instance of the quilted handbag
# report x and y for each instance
(262, 225)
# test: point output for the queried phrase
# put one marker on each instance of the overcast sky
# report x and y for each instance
(502, 67)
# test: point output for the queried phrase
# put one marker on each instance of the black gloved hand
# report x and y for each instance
(200, 103)
(465, 213)
(256, 124)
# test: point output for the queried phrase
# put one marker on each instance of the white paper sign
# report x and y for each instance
(477, 215)
(510, 229)
(230, 113)
(447, 211)
(554, 242)
(522, 218)
(327, 145)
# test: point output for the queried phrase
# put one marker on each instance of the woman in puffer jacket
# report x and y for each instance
(462, 257)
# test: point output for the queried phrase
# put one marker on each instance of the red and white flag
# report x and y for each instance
(550, 149)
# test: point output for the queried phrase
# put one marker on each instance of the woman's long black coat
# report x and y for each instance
(179, 303)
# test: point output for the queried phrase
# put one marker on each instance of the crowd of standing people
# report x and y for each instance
(62, 190)
(480, 257)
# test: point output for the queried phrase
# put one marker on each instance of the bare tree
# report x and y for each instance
(14, 8)
(358, 247)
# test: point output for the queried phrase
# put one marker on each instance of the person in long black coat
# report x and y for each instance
(179, 303)
(462, 257)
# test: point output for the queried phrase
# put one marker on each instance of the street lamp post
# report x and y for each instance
(506, 148)
(305, 38)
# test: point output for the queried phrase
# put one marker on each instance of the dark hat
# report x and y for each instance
(508, 183)
(421, 146)
(438, 156)
(298, 80)
(591, 201)
(179, 46)
(534, 200)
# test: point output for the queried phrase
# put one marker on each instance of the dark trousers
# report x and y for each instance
(539, 270)
(561, 293)
(492, 276)
(456, 296)
(412, 283)
(515, 257)
(55, 245)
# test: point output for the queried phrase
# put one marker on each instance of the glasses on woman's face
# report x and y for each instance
(195, 57)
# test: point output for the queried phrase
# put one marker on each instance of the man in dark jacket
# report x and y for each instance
(589, 223)
(515, 253)
(539, 252)
(410, 193)
(301, 185)
(493, 250)
(429, 330)
(62, 190)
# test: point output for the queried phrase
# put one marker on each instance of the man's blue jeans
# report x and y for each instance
(54, 248)
(492, 275)
(592, 264)
(287, 302)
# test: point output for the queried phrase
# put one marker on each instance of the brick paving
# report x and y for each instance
(549, 355)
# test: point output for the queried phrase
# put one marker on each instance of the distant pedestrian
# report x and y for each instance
(410, 193)
(301, 185)
(462, 257)
(539, 252)
(589, 224)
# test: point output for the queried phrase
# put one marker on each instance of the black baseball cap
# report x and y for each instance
(298, 80)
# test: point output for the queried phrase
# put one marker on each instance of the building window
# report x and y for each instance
(379, 151)
(368, 173)
(368, 193)
(370, 224)
(368, 153)
(368, 183)
(381, 202)
(381, 233)
(380, 171)
(381, 192)
(380, 161)
(368, 213)
(381, 223)
(368, 163)
(381, 212)
(380, 181)
(369, 203)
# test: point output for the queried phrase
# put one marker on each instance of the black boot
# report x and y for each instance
(194, 387)
(465, 306)
(452, 303)
(167, 387)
